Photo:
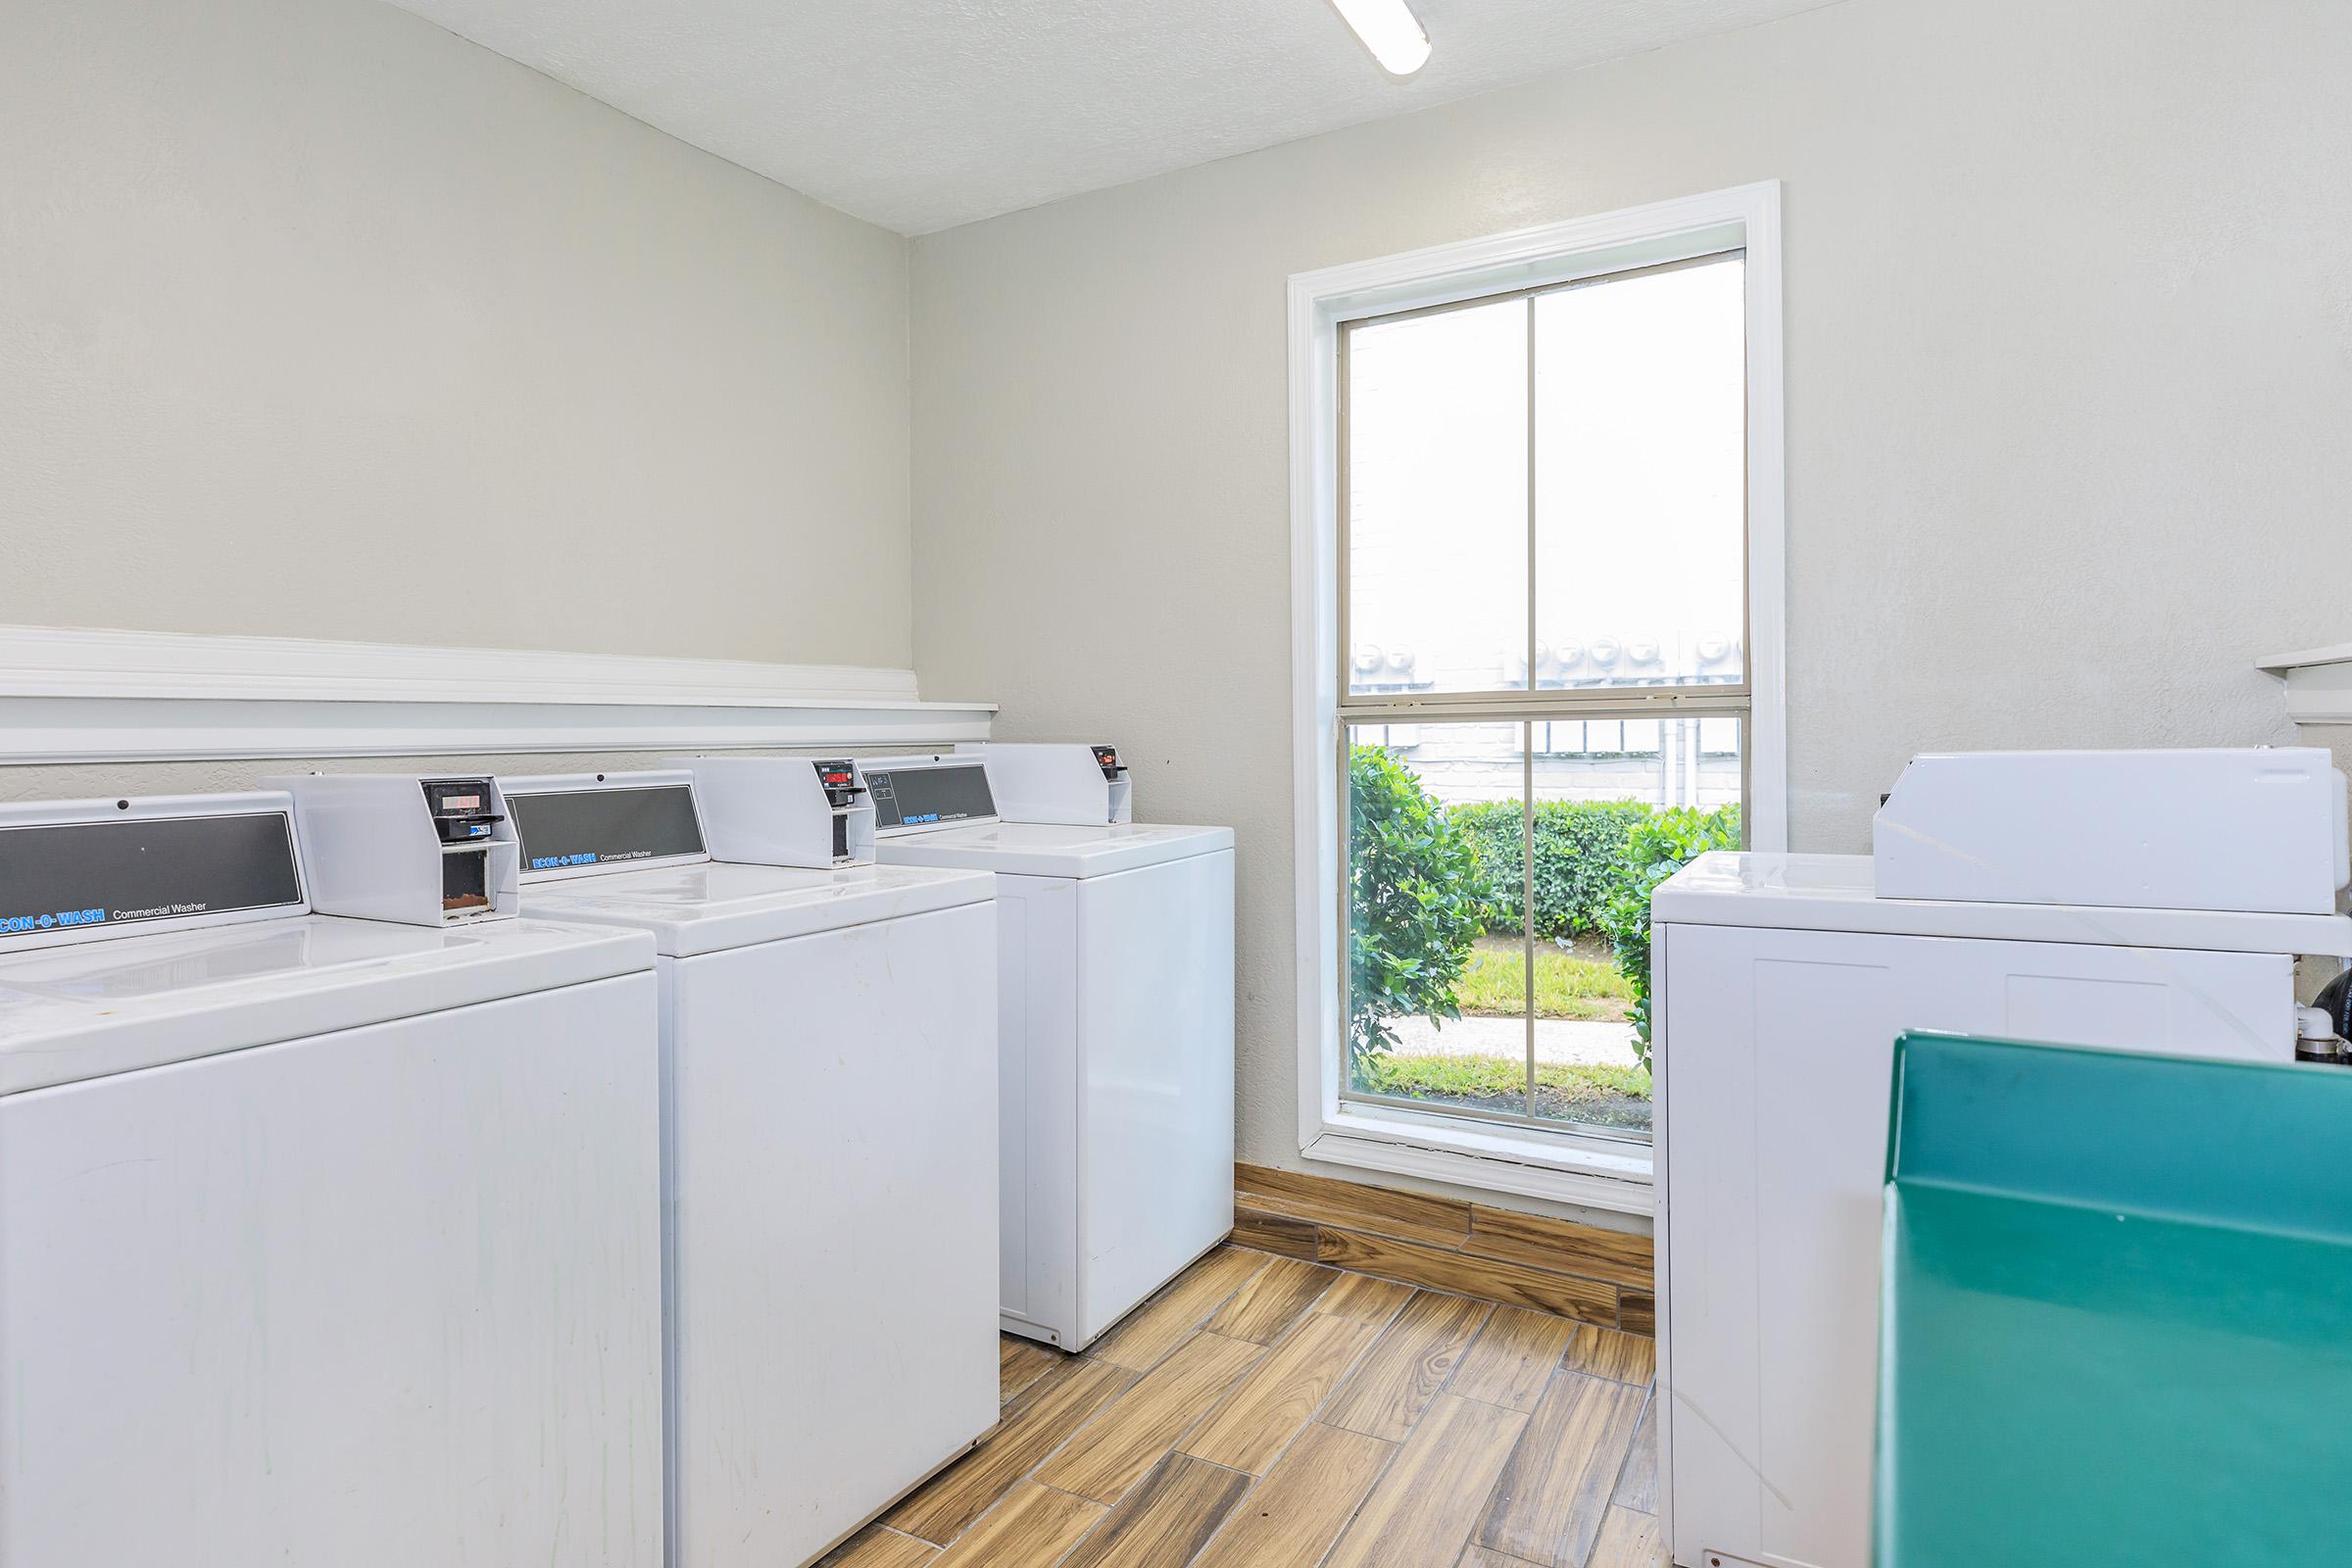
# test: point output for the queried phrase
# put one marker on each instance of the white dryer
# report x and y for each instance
(1116, 1001)
(2150, 901)
(828, 1046)
(321, 1241)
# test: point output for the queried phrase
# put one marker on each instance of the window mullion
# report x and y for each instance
(1513, 708)
(1529, 308)
(1346, 594)
(1526, 894)
(1526, 737)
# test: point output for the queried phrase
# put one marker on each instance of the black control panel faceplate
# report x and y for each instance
(74, 874)
(929, 796)
(565, 828)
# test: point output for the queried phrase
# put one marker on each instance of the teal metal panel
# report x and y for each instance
(2117, 1313)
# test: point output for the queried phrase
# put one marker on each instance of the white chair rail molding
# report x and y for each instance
(69, 695)
(2318, 683)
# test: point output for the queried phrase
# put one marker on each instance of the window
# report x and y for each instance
(1539, 549)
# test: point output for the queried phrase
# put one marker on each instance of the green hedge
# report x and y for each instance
(1580, 846)
(1653, 852)
(1425, 879)
(1413, 901)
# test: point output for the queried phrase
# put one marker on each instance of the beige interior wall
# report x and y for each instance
(2069, 335)
(317, 321)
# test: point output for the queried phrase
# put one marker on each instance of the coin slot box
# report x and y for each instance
(838, 778)
(1074, 783)
(784, 810)
(466, 882)
(421, 851)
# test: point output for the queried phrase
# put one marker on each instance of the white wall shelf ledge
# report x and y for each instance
(73, 695)
(2318, 683)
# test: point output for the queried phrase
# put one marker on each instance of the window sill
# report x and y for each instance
(1590, 1173)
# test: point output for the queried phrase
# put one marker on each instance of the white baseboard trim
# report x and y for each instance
(71, 695)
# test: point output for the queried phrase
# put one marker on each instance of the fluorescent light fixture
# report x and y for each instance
(1390, 31)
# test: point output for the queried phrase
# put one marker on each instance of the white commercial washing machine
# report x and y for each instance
(2150, 901)
(321, 1241)
(1116, 997)
(828, 1041)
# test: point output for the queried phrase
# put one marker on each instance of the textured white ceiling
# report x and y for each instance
(920, 115)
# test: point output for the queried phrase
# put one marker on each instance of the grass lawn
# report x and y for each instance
(1577, 982)
(1573, 1092)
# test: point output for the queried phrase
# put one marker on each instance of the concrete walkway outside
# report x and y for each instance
(1557, 1040)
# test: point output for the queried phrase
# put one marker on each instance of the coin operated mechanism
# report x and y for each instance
(1072, 783)
(783, 810)
(419, 850)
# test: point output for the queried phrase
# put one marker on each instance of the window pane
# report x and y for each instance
(1641, 479)
(1437, 501)
(1618, 803)
(1437, 1002)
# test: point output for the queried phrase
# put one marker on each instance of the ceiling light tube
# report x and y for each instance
(1390, 31)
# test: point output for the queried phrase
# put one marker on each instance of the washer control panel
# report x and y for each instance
(89, 868)
(915, 793)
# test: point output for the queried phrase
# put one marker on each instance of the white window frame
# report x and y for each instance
(1595, 1172)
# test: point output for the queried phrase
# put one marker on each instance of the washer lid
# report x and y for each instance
(1045, 849)
(76, 1012)
(1836, 892)
(719, 905)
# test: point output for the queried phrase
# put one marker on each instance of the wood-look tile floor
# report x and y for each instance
(1268, 1413)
